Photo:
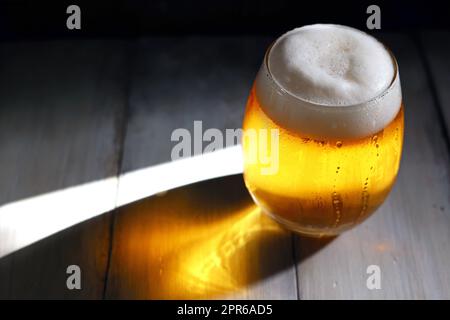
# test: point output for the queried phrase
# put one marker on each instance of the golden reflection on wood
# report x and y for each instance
(206, 240)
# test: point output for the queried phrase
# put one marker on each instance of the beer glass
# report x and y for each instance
(320, 168)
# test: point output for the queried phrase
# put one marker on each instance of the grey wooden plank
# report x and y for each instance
(61, 106)
(5, 272)
(408, 236)
(436, 46)
(39, 270)
(195, 241)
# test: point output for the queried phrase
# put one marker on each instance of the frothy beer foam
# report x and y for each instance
(329, 81)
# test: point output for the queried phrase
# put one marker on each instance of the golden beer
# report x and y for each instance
(322, 185)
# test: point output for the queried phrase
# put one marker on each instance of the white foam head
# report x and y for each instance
(329, 81)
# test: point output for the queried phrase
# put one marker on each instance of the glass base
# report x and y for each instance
(308, 232)
(304, 231)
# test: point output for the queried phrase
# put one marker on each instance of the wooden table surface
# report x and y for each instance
(81, 111)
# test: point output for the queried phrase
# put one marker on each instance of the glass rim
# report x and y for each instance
(372, 100)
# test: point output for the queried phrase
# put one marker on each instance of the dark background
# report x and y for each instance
(24, 19)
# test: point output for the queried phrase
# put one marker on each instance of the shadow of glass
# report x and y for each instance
(306, 247)
(205, 240)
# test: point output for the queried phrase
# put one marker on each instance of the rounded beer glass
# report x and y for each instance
(323, 129)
